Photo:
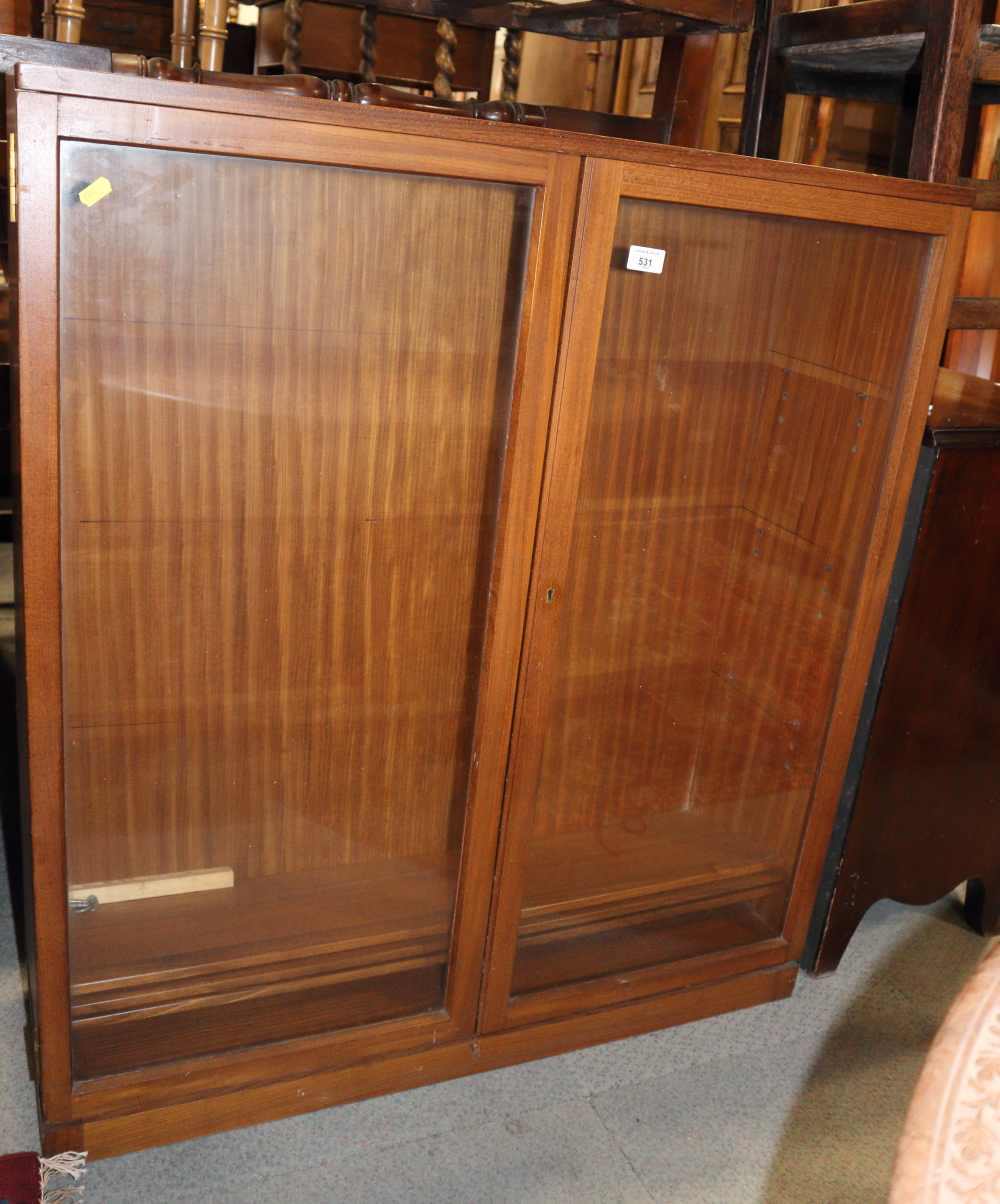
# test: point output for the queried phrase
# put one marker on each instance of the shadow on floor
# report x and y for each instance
(839, 1142)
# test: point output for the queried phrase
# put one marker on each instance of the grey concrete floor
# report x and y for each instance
(797, 1102)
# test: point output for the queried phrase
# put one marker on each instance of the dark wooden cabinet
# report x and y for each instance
(920, 809)
(450, 554)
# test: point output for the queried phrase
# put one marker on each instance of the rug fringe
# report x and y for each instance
(63, 1195)
(73, 1164)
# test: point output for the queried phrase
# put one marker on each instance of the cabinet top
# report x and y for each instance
(69, 82)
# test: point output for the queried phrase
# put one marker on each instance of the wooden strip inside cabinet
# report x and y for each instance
(450, 558)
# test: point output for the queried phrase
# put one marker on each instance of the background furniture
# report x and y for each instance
(131, 26)
(315, 37)
(925, 55)
(403, 47)
(360, 787)
(408, 41)
(920, 806)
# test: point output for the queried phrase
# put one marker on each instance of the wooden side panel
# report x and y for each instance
(35, 378)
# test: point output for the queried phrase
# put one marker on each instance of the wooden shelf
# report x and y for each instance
(670, 886)
(355, 933)
(673, 938)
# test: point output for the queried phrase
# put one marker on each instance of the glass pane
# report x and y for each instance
(285, 397)
(741, 415)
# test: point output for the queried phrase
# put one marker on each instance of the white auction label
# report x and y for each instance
(645, 259)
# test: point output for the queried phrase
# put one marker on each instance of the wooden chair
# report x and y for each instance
(357, 43)
(683, 75)
(643, 129)
(931, 57)
(62, 21)
(681, 81)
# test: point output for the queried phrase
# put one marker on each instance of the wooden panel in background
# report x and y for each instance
(754, 776)
(788, 610)
(861, 336)
(812, 423)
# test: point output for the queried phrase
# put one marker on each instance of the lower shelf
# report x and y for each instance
(271, 958)
(670, 887)
(275, 1084)
(295, 955)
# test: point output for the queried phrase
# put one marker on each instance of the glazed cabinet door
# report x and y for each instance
(734, 404)
(300, 405)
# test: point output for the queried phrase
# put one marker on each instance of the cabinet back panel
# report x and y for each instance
(742, 409)
(285, 399)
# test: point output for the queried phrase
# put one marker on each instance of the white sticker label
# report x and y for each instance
(645, 259)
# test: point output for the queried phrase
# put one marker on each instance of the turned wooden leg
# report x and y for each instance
(369, 37)
(511, 64)
(212, 34)
(48, 20)
(444, 60)
(291, 60)
(69, 20)
(182, 39)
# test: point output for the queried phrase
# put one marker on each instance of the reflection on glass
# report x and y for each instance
(737, 434)
(285, 394)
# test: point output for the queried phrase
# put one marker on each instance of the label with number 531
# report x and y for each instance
(645, 259)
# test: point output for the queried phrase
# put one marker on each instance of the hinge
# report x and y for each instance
(12, 175)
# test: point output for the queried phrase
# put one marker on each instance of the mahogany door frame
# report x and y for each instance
(40, 120)
(604, 183)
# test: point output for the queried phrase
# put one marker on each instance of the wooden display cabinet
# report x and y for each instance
(441, 642)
